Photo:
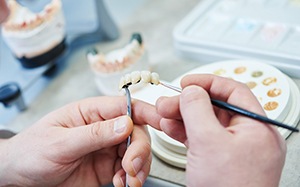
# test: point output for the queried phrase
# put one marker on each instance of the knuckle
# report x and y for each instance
(95, 132)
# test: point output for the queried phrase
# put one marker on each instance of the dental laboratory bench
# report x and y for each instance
(170, 54)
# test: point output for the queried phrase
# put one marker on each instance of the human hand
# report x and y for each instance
(224, 148)
(81, 144)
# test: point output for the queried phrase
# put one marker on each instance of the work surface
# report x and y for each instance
(155, 20)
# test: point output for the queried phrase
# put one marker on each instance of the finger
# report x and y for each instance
(198, 115)
(168, 107)
(96, 109)
(171, 123)
(140, 178)
(82, 140)
(119, 179)
(118, 165)
(144, 113)
(122, 149)
(174, 128)
(225, 89)
(137, 160)
(138, 152)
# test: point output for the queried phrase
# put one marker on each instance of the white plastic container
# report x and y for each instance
(266, 30)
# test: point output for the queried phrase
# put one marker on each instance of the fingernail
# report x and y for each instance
(191, 93)
(189, 90)
(120, 124)
(141, 176)
(137, 164)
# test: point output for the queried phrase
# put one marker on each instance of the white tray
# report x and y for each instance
(229, 29)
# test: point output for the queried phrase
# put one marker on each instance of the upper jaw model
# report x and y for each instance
(35, 38)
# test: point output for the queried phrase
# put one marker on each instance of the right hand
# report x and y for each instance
(224, 148)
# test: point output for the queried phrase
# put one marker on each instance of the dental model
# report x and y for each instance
(35, 38)
(136, 77)
(116, 60)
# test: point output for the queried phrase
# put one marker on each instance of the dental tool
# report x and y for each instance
(128, 99)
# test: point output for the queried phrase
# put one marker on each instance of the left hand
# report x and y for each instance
(82, 144)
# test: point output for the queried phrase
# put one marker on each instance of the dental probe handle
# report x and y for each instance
(129, 113)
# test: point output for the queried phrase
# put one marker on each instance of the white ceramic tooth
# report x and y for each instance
(127, 79)
(48, 7)
(146, 76)
(93, 58)
(135, 77)
(154, 78)
(121, 83)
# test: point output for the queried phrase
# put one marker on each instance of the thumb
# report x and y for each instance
(86, 139)
(200, 121)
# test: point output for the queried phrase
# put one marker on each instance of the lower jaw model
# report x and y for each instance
(35, 38)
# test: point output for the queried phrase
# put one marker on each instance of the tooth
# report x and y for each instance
(127, 79)
(48, 7)
(135, 77)
(146, 76)
(93, 58)
(122, 83)
(154, 78)
(38, 17)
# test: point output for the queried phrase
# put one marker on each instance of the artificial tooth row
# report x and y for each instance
(137, 76)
